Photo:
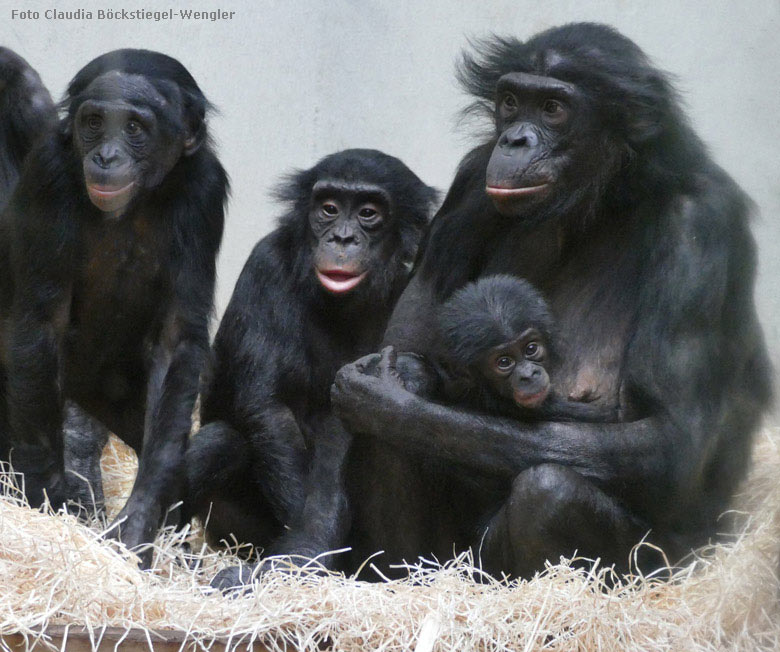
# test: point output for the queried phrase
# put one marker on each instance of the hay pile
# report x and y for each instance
(55, 571)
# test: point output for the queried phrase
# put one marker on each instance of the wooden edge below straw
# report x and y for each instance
(78, 639)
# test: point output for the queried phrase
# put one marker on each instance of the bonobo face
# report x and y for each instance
(129, 136)
(347, 221)
(515, 370)
(535, 117)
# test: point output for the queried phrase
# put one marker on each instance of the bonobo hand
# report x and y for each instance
(371, 391)
(136, 526)
(43, 474)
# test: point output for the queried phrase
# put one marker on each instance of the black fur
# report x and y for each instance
(26, 113)
(111, 310)
(643, 251)
(486, 313)
(270, 454)
(496, 311)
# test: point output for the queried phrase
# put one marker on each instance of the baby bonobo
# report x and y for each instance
(497, 351)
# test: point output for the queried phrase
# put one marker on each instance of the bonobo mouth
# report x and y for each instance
(530, 401)
(109, 198)
(339, 281)
(500, 193)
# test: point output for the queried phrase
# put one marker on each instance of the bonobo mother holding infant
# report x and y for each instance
(592, 188)
(595, 189)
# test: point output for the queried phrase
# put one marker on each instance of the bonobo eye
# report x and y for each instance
(132, 128)
(330, 209)
(508, 104)
(94, 122)
(369, 215)
(554, 112)
(504, 363)
(534, 350)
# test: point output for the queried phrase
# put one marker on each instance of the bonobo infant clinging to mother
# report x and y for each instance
(267, 465)
(594, 188)
(496, 353)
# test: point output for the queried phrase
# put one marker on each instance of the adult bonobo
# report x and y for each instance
(595, 189)
(115, 226)
(26, 113)
(267, 465)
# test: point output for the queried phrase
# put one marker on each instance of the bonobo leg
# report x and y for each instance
(552, 510)
(220, 489)
(311, 504)
(84, 440)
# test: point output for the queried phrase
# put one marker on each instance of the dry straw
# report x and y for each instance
(56, 571)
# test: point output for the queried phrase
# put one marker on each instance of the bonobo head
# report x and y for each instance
(23, 95)
(132, 115)
(365, 213)
(572, 106)
(498, 330)
(26, 113)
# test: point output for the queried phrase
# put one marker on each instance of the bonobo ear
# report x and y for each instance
(193, 141)
(649, 118)
(195, 123)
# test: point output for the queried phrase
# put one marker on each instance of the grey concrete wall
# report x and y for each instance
(296, 80)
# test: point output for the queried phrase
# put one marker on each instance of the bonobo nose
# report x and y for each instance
(105, 157)
(343, 239)
(531, 375)
(520, 136)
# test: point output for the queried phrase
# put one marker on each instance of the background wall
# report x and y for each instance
(296, 80)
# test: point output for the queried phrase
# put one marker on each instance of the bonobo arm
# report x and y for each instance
(609, 453)
(177, 361)
(695, 369)
(323, 522)
(42, 254)
(172, 388)
(556, 408)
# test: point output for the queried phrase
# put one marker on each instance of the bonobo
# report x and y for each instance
(497, 351)
(267, 465)
(594, 188)
(115, 226)
(26, 113)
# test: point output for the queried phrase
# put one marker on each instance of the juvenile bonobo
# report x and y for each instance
(497, 351)
(26, 113)
(267, 465)
(594, 188)
(114, 230)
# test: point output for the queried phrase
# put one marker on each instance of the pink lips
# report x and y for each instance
(530, 400)
(104, 196)
(339, 281)
(513, 193)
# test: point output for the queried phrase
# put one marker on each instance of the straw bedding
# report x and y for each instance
(56, 571)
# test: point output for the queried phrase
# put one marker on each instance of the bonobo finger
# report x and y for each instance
(367, 365)
(387, 363)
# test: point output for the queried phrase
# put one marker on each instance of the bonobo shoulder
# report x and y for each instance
(711, 221)
(49, 172)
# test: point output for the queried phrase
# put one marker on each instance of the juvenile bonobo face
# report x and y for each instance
(516, 369)
(534, 118)
(129, 136)
(347, 221)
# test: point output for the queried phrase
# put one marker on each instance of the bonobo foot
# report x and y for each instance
(234, 579)
(42, 475)
(136, 527)
(239, 579)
